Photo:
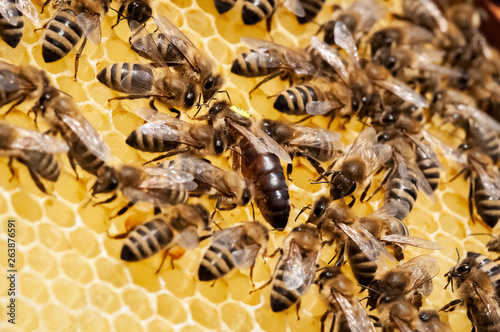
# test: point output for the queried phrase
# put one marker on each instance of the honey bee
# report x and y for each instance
(315, 144)
(134, 10)
(272, 60)
(476, 279)
(305, 10)
(232, 247)
(399, 34)
(181, 225)
(72, 20)
(85, 144)
(224, 6)
(12, 19)
(158, 186)
(255, 11)
(33, 149)
(431, 322)
(20, 83)
(340, 293)
(425, 13)
(164, 133)
(296, 268)
(172, 46)
(231, 189)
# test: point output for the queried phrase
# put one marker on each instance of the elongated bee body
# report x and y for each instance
(293, 101)
(62, 35)
(404, 189)
(311, 9)
(429, 168)
(224, 6)
(271, 189)
(255, 11)
(168, 52)
(255, 65)
(12, 32)
(487, 206)
(362, 267)
(484, 138)
(127, 77)
(155, 235)
(44, 164)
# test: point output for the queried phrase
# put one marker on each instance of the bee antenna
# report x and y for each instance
(458, 254)
(369, 288)
(253, 211)
(307, 207)
(490, 235)
(318, 182)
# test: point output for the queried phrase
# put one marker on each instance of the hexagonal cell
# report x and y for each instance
(69, 293)
(52, 237)
(104, 298)
(178, 282)
(205, 313)
(59, 213)
(43, 261)
(26, 207)
(77, 268)
(125, 323)
(85, 242)
(138, 303)
(236, 317)
(112, 272)
(33, 287)
(93, 320)
(55, 317)
(171, 309)
(158, 325)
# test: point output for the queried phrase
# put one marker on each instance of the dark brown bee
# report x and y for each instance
(134, 10)
(255, 11)
(12, 19)
(477, 281)
(86, 146)
(20, 83)
(232, 247)
(296, 269)
(164, 133)
(224, 6)
(33, 149)
(395, 35)
(340, 293)
(181, 225)
(431, 322)
(72, 20)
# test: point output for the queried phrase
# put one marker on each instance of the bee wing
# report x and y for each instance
(482, 117)
(490, 185)
(355, 315)
(491, 305)
(295, 7)
(264, 60)
(333, 57)
(344, 39)
(370, 246)
(227, 237)
(266, 145)
(8, 12)
(28, 9)
(188, 238)
(144, 43)
(167, 133)
(178, 40)
(314, 137)
(294, 275)
(299, 61)
(433, 9)
(403, 327)
(423, 184)
(260, 53)
(370, 11)
(446, 150)
(88, 135)
(364, 142)
(151, 115)
(426, 150)
(402, 90)
(322, 107)
(245, 258)
(91, 26)
(142, 82)
(34, 141)
(388, 211)
(260, 45)
(159, 178)
(8, 80)
(421, 269)
(412, 241)
(138, 195)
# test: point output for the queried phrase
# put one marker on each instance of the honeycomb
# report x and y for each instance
(70, 275)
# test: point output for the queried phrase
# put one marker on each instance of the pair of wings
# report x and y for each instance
(24, 6)
(29, 140)
(243, 258)
(420, 270)
(355, 315)
(299, 272)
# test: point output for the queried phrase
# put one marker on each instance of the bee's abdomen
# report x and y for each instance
(251, 66)
(12, 33)
(281, 297)
(224, 6)
(311, 8)
(87, 160)
(148, 143)
(293, 100)
(255, 11)
(146, 240)
(62, 35)
(487, 206)
(45, 164)
(217, 262)
(430, 171)
(127, 77)
(362, 267)
(404, 190)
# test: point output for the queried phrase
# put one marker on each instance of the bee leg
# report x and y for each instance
(73, 164)
(37, 181)
(157, 210)
(382, 185)
(304, 119)
(18, 102)
(298, 309)
(340, 259)
(11, 169)
(352, 202)
(78, 55)
(163, 258)
(363, 194)
(267, 79)
(175, 111)
(109, 200)
(471, 200)
(317, 166)
(45, 5)
(121, 17)
(170, 154)
(123, 210)
(289, 169)
(452, 305)
(323, 318)
(261, 287)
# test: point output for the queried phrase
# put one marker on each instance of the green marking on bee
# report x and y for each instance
(240, 111)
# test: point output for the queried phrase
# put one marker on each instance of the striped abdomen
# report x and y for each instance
(44, 164)
(12, 33)
(491, 269)
(271, 189)
(487, 140)
(224, 6)
(293, 100)
(146, 240)
(281, 297)
(217, 262)
(87, 160)
(311, 8)
(13, 90)
(173, 196)
(132, 78)
(150, 143)
(487, 207)
(402, 189)
(169, 53)
(362, 267)
(255, 65)
(428, 168)
(255, 11)
(62, 35)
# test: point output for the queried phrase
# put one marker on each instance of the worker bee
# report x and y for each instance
(85, 144)
(296, 268)
(224, 6)
(255, 11)
(305, 10)
(425, 13)
(361, 160)
(430, 322)
(315, 144)
(134, 10)
(159, 186)
(12, 19)
(181, 225)
(231, 189)
(164, 133)
(272, 60)
(33, 149)
(237, 246)
(72, 20)
(476, 279)
(399, 34)
(20, 83)
(172, 46)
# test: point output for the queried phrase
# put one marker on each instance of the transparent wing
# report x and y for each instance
(139, 195)
(8, 11)
(403, 327)
(333, 57)
(412, 241)
(309, 268)
(151, 115)
(159, 178)
(265, 60)
(364, 142)
(426, 150)
(167, 133)
(300, 62)
(490, 187)
(28, 9)
(245, 258)
(355, 315)
(188, 238)
(491, 304)
(8, 80)
(483, 118)
(370, 11)
(295, 7)
(260, 45)
(436, 14)
(34, 141)
(315, 136)
(387, 212)
(88, 135)
(227, 237)
(421, 270)
(370, 246)
(345, 40)
(322, 107)
(143, 43)
(91, 26)
(402, 90)
(261, 52)
(446, 150)
(294, 274)
(142, 82)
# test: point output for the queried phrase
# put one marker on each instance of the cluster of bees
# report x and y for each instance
(378, 75)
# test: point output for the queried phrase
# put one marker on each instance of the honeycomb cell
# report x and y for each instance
(111, 271)
(125, 122)
(145, 276)
(170, 308)
(220, 50)
(103, 298)
(31, 316)
(92, 320)
(43, 261)
(57, 317)
(53, 237)
(77, 268)
(200, 22)
(94, 217)
(69, 293)
(71, 189)
(214, 292)
(125, 323)
(85, 242)
(205, 313)
(160, 326)
(138, 303)
(59, 213)
(270, 321)
(26, 206)
(33, 287)
(178, 282)
(236, 317)
(26, 234)
(97, 117)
